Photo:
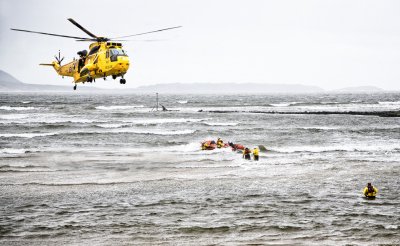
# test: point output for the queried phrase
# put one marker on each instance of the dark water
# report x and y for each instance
(80, 169)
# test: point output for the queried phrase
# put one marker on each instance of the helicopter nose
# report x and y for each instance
(123, 63)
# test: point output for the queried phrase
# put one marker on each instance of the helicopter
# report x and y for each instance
(105, 57)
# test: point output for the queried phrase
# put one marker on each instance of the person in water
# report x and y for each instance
(246, 154)
(256, 154)
(370, 191)
(205, 146)
(220, 143)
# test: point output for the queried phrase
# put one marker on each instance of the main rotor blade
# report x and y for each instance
(87, 40)
(82, 28)
(136, 40)
(169, 28)
(45, 33)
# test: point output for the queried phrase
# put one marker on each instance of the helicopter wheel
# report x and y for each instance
(114, 76)
(122, 81)
(75, 87)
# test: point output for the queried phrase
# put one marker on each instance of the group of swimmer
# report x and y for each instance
(211, 144)
(369, 191)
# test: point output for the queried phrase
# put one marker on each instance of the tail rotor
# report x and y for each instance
(59, 59)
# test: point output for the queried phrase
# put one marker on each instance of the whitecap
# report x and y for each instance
(119, 107)
(12, 151)
(156, 131)
(220, 124)
(283, 104)
(391, 227)
(163, 121)
(318, 149)
(389, 103)
(111, 125)
(183, 102)
(13, 116)
(9, 108)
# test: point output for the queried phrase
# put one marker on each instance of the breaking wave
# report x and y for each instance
(283, 104)
(156, 131)
(119, 107)
(163, 121)
(13, 116)
(220, 124)
(390, 103)
(9, 108)
(319, 149)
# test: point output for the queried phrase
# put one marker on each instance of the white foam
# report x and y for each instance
(183, 102)
(391, 227)
(163, 121)
(283, 104)
(121, 107)
(220, 124)
(9, 108)
(155, 131)
(317, 149)
(390, 103)
(112, 125)
(12, 151)
(13, 116)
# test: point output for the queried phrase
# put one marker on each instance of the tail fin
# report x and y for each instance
(54, 64)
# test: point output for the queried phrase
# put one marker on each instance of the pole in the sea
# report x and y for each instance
(157, 101)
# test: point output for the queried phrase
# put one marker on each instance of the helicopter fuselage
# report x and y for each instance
(104, 59)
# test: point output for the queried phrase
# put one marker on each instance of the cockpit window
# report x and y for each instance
(117, 52)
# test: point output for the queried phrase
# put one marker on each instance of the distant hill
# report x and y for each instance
(359, 89)
(10, 84)
(227, 88)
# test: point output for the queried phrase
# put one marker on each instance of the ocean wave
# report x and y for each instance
(163, 121)
(318, 128)
(13, 116)
(27, 135)
(156, 131)
(283, 104)
(12, 151)
(10, 108)
(389, 103)
(122, 107)
(220, 124)
(348, 148)
(116, 125)
(182, 102)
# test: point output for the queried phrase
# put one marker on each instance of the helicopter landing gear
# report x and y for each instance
(89, 79)
(114, 76)
(75, 87)
(122, 81)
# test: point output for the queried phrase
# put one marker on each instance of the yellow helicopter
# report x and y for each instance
(105, 57)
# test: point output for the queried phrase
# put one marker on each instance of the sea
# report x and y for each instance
(111, 169)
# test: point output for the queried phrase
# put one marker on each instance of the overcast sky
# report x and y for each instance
(331, 44)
